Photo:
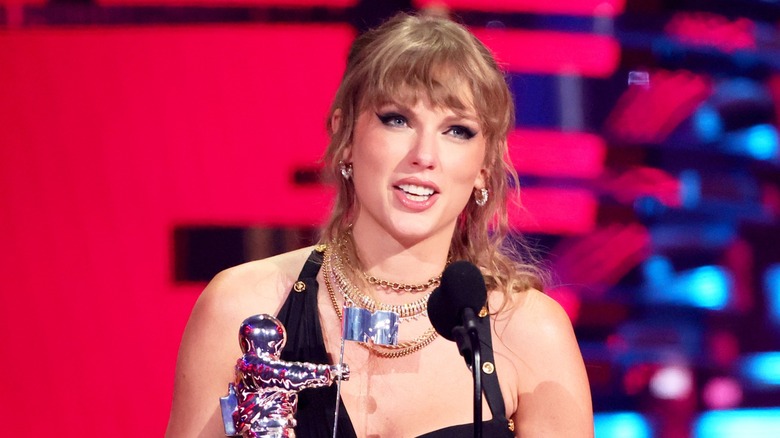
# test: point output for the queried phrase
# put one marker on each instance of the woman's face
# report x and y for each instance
(414, 169)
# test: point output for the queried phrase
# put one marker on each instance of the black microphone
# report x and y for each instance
(462, 292)
(453, 308)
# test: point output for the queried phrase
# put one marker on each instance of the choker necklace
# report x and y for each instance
(433, 281)
(355, 297)
(384, 351)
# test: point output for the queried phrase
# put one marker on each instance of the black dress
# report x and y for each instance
(300, 316)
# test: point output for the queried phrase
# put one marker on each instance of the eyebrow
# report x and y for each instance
(456, 114)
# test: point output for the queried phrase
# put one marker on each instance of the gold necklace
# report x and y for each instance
(433, 281)
(398, 287)
(354, 296)
(389, 351)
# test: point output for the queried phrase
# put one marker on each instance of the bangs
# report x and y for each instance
(410, 83)
(420, 74)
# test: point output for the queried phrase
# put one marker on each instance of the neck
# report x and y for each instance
(401, 261)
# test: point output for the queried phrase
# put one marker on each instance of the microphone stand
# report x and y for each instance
(467, 339)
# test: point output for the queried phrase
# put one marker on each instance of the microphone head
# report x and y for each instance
(462, 286)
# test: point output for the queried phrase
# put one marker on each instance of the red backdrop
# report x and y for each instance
(108, 139)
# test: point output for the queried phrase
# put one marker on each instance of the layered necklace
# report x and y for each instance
(333, 273)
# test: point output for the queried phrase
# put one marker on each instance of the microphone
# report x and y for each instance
(462, 292)
(453, 308)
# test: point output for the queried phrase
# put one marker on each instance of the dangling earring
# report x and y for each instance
(481, 196)
(346, 170)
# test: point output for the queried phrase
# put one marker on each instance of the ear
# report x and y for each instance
(481, 181)
(335, 124)
(335, 121)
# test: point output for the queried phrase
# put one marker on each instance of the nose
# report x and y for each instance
(424, 152)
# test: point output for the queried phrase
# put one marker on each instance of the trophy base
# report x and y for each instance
(228, 405)
(275, 433)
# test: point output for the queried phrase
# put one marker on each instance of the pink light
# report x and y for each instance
(555, 153)
(603, 256)
(774, 90)
(552, 52)
(572, 7)
(637, 378)
(650, 114)
(722, 393)
(645, 181)
(555, 211)
(723, 349)
(706, 29)
(295, 3)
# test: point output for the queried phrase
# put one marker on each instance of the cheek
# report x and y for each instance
(367, 161)
(470, 165)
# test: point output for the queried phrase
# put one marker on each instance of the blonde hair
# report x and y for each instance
(409, 57)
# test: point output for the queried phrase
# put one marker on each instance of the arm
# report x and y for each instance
(209, 347)
(553, 392)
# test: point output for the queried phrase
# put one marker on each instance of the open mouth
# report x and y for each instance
(416, 193)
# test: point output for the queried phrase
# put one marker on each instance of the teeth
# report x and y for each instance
(417, 198)
(416, 190)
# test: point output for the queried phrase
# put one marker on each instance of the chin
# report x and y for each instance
(417, 231)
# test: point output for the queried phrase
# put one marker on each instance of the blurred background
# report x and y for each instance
(147, 144)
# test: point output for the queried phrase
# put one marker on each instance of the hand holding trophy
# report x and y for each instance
(263, 400)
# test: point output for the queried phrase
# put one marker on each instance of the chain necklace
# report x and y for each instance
(433, 281)
(398, 287)
(384, 351)
(353, 295)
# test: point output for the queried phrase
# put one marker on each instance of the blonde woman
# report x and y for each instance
(419, 149)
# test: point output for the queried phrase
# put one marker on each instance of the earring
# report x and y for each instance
(346, 170)
(481, 196)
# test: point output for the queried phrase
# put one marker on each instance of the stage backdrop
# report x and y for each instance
(109, 140)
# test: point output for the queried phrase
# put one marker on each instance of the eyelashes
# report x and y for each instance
(394, 119)
(462, 132)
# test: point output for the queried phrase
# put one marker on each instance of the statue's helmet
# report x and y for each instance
(262, 334)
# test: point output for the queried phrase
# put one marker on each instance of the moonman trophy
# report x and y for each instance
(264, 398)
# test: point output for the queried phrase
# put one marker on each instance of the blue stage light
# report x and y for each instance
(706, 286)
(772, 288)
(753, 423)
(707, 123)
(658, 271)
(622, 425)
(762, 370)
(762, 142)
(759, 142)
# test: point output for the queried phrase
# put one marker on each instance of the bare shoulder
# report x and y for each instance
(531, 316)
(255, 287)
(209, 346)
(553, 394)
(259, 285)
(537, 330)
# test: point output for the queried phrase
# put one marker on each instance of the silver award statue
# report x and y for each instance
(263, 400)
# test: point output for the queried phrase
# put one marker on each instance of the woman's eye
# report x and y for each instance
(392, 119)
(462, 132)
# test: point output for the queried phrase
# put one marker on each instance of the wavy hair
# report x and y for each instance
(409, 57)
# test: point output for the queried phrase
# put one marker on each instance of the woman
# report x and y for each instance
(418, 144)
